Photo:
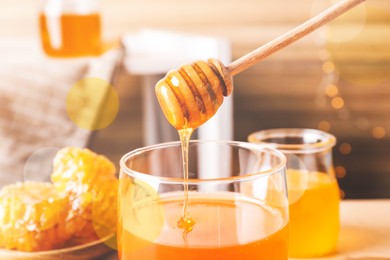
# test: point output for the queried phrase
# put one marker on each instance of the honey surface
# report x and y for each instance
(225, 229)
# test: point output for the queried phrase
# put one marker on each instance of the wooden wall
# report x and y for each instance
(289, 89)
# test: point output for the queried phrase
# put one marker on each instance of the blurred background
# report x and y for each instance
(336, 79)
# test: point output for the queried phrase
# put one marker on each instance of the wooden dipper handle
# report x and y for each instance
(192, 94)
(291, 36)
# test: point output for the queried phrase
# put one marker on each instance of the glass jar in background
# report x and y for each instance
(313, 191)
(70, 28)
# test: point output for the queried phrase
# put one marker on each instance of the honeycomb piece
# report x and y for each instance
(89, 181)
(32, 217)
(80, 166)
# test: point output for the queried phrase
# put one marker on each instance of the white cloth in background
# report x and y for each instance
(33, 119)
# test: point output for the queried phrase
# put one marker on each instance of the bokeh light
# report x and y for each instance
(342, 194)
(358, 44)
(324, 125)
(337, 102)
(345, 148)
(378, 132)
(340, 172)
(92, 103)
(331, 90)
(328, 66)
(38, 166)
(347, 26)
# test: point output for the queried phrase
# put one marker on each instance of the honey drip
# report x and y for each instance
(185, 222)
(192, 94)
(188, 98)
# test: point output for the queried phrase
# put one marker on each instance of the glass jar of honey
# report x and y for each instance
(70, 28)
(313, 192)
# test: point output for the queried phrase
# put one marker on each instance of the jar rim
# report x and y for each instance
(278, 168)
(313, 140)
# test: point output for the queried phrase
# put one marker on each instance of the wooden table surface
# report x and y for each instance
(365, 231)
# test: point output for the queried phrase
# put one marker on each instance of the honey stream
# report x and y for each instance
(185, 222)
(188, 98)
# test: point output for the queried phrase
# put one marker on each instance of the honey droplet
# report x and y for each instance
(186, 223)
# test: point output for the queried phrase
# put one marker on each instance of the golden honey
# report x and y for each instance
(314, 213)
(192, 94)
(71, 34)
(217, 234)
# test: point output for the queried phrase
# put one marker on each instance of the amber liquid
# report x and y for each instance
(314, 213)
(226, 228)
(71, 35)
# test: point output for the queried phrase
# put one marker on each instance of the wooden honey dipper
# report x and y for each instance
(192, 94)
